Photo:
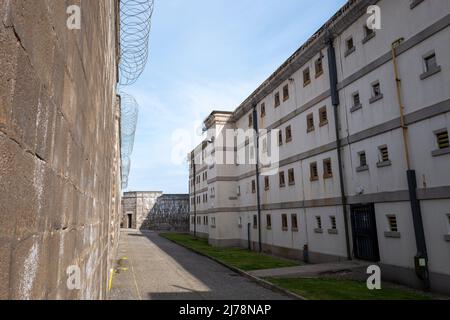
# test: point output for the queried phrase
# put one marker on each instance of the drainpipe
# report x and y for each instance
(258, 194)
(335, 101)
(195, 195)
(421, 258)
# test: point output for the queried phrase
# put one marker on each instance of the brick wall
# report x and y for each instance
(59, 148)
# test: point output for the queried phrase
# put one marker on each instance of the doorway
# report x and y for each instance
(130, 221)
(364, 228)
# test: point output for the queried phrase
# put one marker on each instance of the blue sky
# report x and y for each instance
(208, 55)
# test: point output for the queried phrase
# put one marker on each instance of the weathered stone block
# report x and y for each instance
(28, 278)
(5, 258)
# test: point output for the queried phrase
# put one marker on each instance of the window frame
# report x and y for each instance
(294, 222)
(318, 63)
(291, 174)
(310, 125)
(288, 133)
(313, 174)
(327, 164)
(282, 179)
(323, 122)
(268, 221)
(306, 77)
(277, 99)
(284, 222)
(285, 92)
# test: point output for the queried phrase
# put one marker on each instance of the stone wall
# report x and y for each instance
(59, 149)
(155, 211)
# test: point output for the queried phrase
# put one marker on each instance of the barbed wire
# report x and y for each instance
(135, 25)
(129, 112)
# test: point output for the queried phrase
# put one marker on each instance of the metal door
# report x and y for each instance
(364, 228)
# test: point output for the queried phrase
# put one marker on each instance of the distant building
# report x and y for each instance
(356, 178)
(153, 210)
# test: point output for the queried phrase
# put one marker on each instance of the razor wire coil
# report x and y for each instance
(135, 24)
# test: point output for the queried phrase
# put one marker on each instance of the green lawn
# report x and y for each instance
(236, 257)
(333, 289)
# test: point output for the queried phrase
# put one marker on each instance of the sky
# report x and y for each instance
(207, 55)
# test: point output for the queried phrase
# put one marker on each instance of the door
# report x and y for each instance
(130, 221)
(364, 228)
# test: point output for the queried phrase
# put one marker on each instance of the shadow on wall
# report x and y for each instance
(169, 213)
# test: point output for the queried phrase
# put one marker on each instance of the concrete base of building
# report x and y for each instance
(439, 282)
(201, 234)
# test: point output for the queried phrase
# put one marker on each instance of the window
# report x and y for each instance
(268, 221)
(213, 222)
(376, 92)
(238, 191)
(349, 46)
(356, 102)
(327, 169)
(250, 120)
(323, 117)
(288, 134)
(205, 220)
(319, 67)
(368, 34)
(362, 159)
(277, 99)
(392, 223)
(199, 220)
(333, 222)
(255, 221)
(280, 138)
(319, 222)
(240, 222)
(383, 156)
(284, 222)
(442, 139)
(368, 31)
(310, 122)
(314, 175)
(291, 177)
(306, 77)
(266, 183)
(282, 180)
(263, 110)
(253, 186)
(294, 222)
(430, 65)
(286, 92)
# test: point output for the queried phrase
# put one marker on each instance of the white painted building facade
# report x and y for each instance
(304, 216)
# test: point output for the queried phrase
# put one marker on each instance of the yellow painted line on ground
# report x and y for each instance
(112, 271)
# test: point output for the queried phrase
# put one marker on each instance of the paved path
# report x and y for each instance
(310, 269)
(153, 268)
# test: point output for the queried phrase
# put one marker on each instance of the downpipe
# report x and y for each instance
(332, 67)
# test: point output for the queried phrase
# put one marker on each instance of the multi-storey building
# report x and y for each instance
(364, 161)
